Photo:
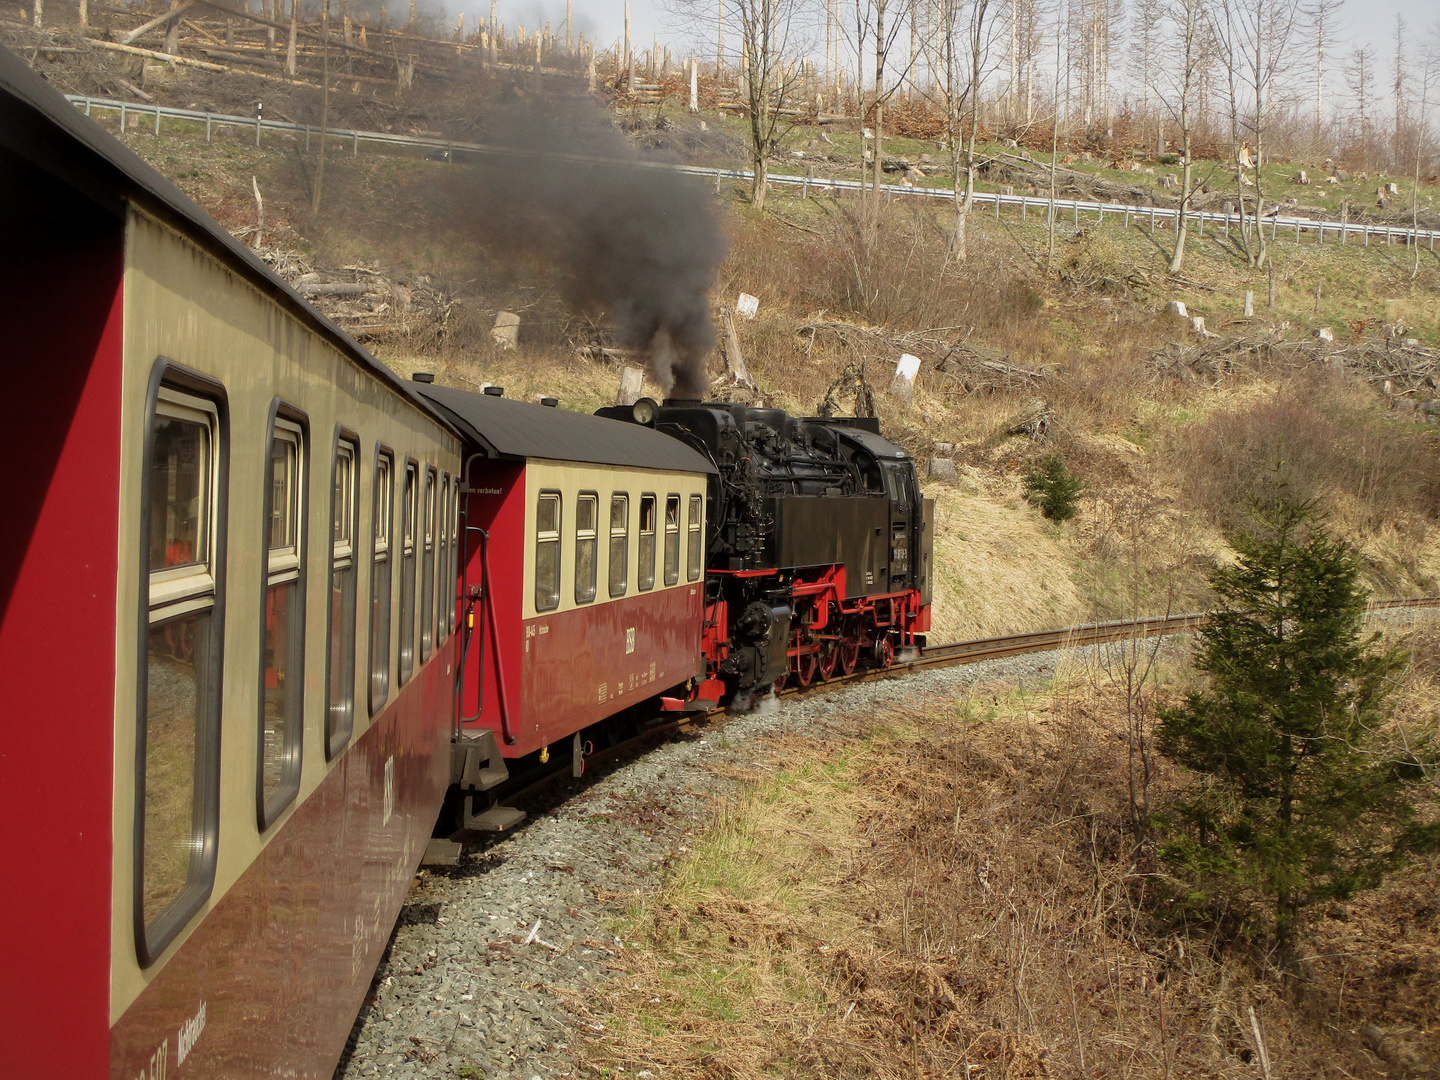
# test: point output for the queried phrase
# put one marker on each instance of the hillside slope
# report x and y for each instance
(1170, 431)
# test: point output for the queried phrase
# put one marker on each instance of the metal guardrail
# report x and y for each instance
(1338, 230)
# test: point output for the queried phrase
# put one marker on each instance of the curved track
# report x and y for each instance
(959, 652)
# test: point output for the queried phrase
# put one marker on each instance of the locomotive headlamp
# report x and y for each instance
(643, 411)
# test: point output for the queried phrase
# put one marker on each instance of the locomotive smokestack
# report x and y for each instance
(639, 243)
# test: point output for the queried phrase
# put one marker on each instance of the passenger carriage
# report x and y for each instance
(227, 637)
(605, 524)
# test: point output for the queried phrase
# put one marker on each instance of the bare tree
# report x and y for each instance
(877, 29)
(1429, 73)
(1360, 81)
(1184, 49)
(1031, 13)
(1320, 19)
(1060, 20)
(1092, 38)
(1256, 38)
(1145, 34)
(1399, 86)
(771, 34)
(966, 29)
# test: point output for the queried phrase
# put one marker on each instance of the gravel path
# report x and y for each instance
(488, 960)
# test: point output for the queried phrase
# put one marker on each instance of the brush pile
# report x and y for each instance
(368, 302)
(957, 367)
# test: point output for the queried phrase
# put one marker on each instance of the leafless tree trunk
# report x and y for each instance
(172, 30)
(290, 46)
(1188, 20)
(770, 36)
(1145, 32)
(1422, 125)
(1321, 16)
(1258, 34)
(1055, 134)
(964, 71)
(1401, 82)
(1360, 80)
(324, 101)
(873, 25)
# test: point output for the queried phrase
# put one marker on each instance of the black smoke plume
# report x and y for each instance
(627, 238)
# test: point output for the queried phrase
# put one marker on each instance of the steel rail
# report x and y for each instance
(936, 656)
(1074, 207)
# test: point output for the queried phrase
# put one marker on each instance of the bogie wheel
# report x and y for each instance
(849, 650)
(828, 659)
(806, 666)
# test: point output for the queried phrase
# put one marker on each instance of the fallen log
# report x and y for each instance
(203, 65)
(146, 27)
(333, 289)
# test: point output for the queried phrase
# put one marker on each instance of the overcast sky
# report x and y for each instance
(603, 20)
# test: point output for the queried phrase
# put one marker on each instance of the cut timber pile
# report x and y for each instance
(1069, 183)
(367, 302)
(1408, 368)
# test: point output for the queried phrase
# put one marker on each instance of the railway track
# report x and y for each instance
(934, 656)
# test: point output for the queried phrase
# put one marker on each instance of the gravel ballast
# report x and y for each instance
(490, 962)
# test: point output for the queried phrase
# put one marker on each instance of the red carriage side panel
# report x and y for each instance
(60, 433)
(591, 662)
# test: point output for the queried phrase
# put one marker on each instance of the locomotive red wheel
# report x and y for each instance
(887, 652)
(806, 666)
(779, 686)
(828, 660)
(849, 652)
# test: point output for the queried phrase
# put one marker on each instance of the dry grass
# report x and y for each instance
(1000, 568)
(956, 894)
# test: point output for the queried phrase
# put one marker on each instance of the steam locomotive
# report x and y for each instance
(819, 547)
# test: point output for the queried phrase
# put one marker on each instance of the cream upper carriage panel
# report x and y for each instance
(567, 453)
(566, 484)
(185, 305)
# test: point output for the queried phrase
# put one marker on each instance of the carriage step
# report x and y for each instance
(475, 762)
(496, 819)
(441, 853)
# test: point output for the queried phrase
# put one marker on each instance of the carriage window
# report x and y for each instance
(587, 507)
(427, 570)
(645, 570)
(672, 539)
(692, 543)
(380, 584)
(547, 551)
(282, 677)
(443, 590)
(619, 542)
(409, 514)
(179, 694)
(340, 674)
